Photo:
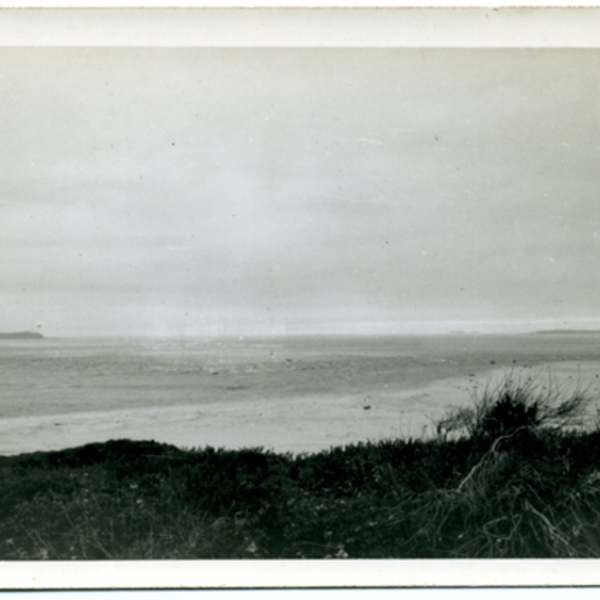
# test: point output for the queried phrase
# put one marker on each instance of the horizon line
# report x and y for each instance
(322, 334)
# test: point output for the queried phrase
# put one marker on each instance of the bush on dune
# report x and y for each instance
(518, 403)
(520, 496)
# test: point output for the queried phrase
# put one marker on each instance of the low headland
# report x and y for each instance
(568, 332)
(21, 335)
(514, 475)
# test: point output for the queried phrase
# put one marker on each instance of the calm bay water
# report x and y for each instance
(59, 376)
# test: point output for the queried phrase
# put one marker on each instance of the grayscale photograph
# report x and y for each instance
(299, 303)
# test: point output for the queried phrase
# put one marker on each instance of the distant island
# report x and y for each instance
(21, 335)
(568, 331)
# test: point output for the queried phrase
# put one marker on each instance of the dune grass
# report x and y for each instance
(518, 477)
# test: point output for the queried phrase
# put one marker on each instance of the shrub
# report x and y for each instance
(515, 404)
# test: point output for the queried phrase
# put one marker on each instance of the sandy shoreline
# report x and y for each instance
(303, 424)
(300, 424)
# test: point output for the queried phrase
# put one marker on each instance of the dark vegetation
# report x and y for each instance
(512, 476)
(21, 335)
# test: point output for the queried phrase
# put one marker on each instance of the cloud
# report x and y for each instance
(374, 185)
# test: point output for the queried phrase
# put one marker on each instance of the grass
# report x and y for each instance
(517, 477)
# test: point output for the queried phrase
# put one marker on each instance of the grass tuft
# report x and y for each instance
(518, 402)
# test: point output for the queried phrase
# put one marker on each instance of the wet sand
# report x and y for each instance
(295, 424)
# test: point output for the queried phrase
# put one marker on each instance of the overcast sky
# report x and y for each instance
(240, 191)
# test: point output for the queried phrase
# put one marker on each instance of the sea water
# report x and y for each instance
(64, 376)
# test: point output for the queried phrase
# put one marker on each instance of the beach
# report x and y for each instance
(297, 424)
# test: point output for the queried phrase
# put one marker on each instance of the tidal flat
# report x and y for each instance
(285, 394)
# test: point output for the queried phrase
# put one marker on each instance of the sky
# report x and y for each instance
(191, 192)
